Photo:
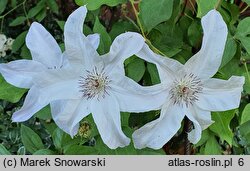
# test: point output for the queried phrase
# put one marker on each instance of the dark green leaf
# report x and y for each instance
(245, 114)
(105, 40)
(53, 6)
(243, 32)
(18, 43)
(18, 21)
(31, 141)
(44, 113)
(136, 69)
(3, 4)
(35, 10)
(80, 150)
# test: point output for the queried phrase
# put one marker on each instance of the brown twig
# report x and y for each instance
(187, 129)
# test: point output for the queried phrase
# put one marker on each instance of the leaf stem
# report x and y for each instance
(137, 18)
(218, 4)
(246, 68)
(187, 129)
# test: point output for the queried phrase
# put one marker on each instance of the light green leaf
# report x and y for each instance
(44, 152)
(221, 127)
(17, 21)
(243, 32)
(3, 150)
(153, 72)
(93, 5)
(105, 40)
(245, 114)
(212, 146)
(25, 52)
(41, 15)
(135, 69)
(19, 41)
(9, 92)
(204, 6)
(154, 12)
(3, 4)
(31, 141)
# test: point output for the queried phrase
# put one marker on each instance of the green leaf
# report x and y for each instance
(135, 69)
(19, 41)
(243, 33)
(17, 21)
(204, 6)
(245, 114)
(9, 92)
(105, 40)
(3, 4)
(25, 52)
(61, 24)
(44, 114)
(154, 12)
(195, 33)
(247, 1)
(153, 72)
(212, 147)
(3, 150)
(31, 141)
(41, 15)
(121, 27)
(53, 6)
(81, 150)
(230, 50)
(244, 129)
(93, 5)
(35, 10)
(44, 152)
(221, 127)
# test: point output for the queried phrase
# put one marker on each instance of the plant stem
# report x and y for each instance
(218, 4)
(137, 19)
(182, 11)
(246, 68)
(187, 129)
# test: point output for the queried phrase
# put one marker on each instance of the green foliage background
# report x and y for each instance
(171, 27)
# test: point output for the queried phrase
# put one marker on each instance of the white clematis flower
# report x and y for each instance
(91, 84)
(46, 55)
(189, 89)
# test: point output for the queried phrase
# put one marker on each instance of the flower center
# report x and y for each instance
(94, 84)
(185, 90)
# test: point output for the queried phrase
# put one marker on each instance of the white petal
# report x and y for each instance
(43, 46)
(124, 46)
(106, 115)
(207, 61)
(68, 113)
(58, 84)
(94, 39)
(221, 95)
(167, 67)
(195, 135)
(203, 117)
(78, 47)
(134, 98)
(158, 132)
(20, 72)
(32, 104)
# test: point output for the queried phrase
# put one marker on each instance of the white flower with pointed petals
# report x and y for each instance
(91, 84)
(46, 55)
(189, 89)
